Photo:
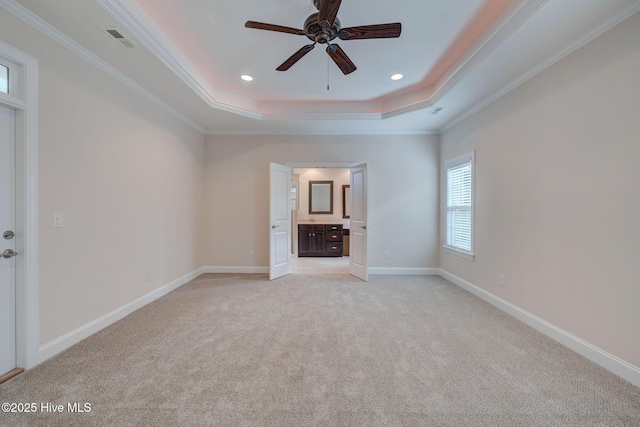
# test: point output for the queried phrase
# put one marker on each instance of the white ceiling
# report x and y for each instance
(455, 54)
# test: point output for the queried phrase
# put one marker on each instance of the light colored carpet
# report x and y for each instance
(322, 350)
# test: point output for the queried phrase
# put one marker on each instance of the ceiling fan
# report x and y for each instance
(323, 27)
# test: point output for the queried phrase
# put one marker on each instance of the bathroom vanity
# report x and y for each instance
(320, 240)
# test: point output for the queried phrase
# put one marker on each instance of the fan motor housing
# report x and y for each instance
(316, 33)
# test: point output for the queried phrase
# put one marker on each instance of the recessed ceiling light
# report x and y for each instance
(246, 77)
(397, 77)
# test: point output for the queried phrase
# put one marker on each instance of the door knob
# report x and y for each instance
(363, 227)
(8, 253)
(275, 226)
(8, 235)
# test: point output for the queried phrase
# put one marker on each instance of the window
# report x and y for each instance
(4, 79)
(459, 181)
(294, 194)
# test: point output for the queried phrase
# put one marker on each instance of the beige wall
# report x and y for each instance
(557, 199)
(403, 194)
(127, 177)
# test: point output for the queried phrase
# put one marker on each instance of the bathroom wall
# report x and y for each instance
(339, 176)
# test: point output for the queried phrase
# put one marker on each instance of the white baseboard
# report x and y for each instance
(405, 271)
(372, 270)
(62, 343)
(608, 361)
(236, 269)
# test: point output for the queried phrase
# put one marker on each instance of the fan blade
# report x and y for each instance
(328, 11)
(341, 59)
(296, 57)
(381, 31)
(272, 27)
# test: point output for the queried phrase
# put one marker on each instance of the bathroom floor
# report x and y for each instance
(320, 265)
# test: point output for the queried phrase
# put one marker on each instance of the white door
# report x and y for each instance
(280, 220)
(358, 232)
(7, 242)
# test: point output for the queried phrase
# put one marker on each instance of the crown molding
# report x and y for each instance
(323, 116)
(517, 18)
(489, 45)
(320, 133)
(572, 47)
(48, 30)
(187, 73)
(408, 109)
(133, 18)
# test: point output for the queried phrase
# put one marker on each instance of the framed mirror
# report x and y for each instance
(346, 201)
(321, 197)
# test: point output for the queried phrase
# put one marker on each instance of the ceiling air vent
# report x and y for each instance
(115, 35)
(437, 110)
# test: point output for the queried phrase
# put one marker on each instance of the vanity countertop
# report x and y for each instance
(320, 222)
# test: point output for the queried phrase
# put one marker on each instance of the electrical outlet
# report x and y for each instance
(252, 254)
(147, 276)
(501, 279)
(387, 254)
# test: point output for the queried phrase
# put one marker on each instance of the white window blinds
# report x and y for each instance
(460, 203)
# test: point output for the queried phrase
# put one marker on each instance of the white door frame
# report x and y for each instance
(327, 165)
(7, 222)
(23, 99)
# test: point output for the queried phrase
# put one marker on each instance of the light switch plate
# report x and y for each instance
(58, 220)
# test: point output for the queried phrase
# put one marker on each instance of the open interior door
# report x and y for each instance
(279, 220)
(358, 232)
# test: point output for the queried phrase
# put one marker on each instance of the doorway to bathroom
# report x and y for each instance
(323, 209)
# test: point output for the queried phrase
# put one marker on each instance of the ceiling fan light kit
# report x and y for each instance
(323, 27)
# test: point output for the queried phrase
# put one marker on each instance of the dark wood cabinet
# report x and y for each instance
(310, 240)
(319, 240)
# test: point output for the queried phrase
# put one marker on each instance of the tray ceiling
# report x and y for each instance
(455, 56)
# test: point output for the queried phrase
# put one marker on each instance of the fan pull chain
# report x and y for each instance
(327, 72)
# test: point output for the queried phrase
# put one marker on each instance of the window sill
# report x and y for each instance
(455, 251)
